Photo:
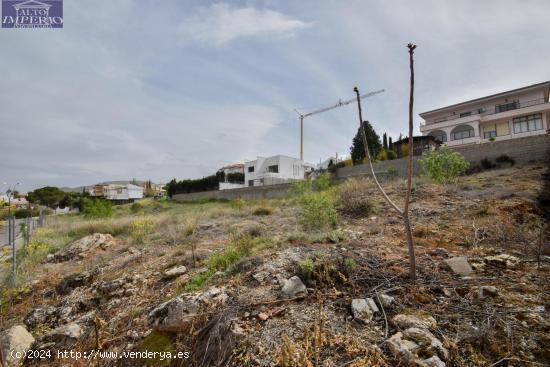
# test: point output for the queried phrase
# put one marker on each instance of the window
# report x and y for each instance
(489, 134)
(273, 169)
(506, 106)
(439, 136)
(528, 123)
(464, 114)
(251, 169)
(251, 182)
(462, 132)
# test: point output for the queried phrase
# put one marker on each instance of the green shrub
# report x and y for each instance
(301, 187)
(237, 204)
(443, 165)
(97, 208)
(24, 213)
(382, 155)
(391, 155)
(141, 228)
(322, 182)
(355, 198)
(318, 210)
(392, 173)
(503, 158)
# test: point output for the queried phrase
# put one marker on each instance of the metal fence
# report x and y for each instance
(20, 230)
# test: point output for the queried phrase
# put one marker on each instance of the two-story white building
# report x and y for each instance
(231, 172)
(275, 170)
(513, 114)
(126, 192)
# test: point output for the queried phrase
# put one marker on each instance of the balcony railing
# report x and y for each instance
(497, 109)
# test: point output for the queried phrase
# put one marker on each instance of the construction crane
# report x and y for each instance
(339, 104)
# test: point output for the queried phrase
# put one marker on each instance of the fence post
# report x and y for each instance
(13, 249)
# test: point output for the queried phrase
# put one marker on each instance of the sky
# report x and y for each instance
(178, 88)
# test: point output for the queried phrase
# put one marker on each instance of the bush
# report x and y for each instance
(302, 186)
(382, 156)
(136, 207)
(391, 155)
(505, 159)
(97, 208)
(354, 198)
(322, 182)
(24, 213)
(318, 210)
(391, 173)
(140, 229)
(443, 165)
(237, 204)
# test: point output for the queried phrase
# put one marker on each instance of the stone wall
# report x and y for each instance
(254, 192)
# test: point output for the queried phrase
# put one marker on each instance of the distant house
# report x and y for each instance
(507, 115)
(275, 170)
(421, 144)
(233, 176)
(126, 192)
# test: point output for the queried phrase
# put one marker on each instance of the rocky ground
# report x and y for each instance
(246, 284)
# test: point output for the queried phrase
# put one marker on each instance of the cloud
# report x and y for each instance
(220, 24)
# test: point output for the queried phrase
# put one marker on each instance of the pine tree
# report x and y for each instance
(385, 141)
(357, 149)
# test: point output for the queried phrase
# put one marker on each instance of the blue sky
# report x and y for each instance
(156, 90)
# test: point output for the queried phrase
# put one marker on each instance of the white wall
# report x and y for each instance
(288, 169)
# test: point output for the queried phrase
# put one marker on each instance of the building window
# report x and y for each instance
(273, 169)
(506, 106)
(528, 123)
(462, 132)
(464, 114)
(489, 134)
(439, 136)
(251, 169)
(250, 182)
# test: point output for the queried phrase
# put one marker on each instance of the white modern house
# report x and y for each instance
(126, 192)
(513, 114)
(275, 170)
(232, 169)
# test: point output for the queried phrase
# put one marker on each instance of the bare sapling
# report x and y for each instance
(404, 213)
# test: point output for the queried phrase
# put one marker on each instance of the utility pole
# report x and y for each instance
(325, 109)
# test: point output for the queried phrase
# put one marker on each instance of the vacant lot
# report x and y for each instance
(216, 278)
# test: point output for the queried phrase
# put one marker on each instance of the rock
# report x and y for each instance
(405, 321)
(81, 247)
(175, 272)
(459, 265)
(113, 288)
(183, 308)
(293, 287)
(260, 276)
(488, 291)
(64, 336)
(15, 340)
(502, 260)
(50, 258)
(440, 251)
(263, 316)
(413, 344)
(40, 316)
(132, 250)
(386, 300)
(363, 309)
(70, 282)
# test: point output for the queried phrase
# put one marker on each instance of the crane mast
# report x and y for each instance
(325, 109)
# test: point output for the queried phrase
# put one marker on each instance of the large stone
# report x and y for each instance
(459, 265)
(413, 344)
(293, 287)
(419, 320)
(81, 247)
(386, 300)
(70, 282)
(13, 342)
(64, 336)
(175, 272)
(363, 309)
(41, 315)
(173, 313)
(502, 260)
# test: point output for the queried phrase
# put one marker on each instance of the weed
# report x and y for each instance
(355, 198)
(318, 210)
(263, 210)
(322, 182)
(160, 343)
(444, 165)
(141, 228)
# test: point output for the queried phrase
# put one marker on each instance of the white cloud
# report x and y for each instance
(221, 23)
